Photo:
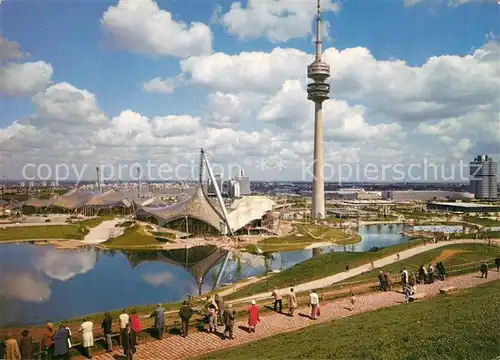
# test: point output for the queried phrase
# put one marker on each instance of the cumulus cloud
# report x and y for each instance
(10, 50)
(358, 76)
(228, 110)
(277, 20)
(381, 111)
(24, 286)
(158, 279)
(142, 27)
(18, 79)
(63, 265)
(165, 86)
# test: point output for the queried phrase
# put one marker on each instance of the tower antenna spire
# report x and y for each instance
(318, 32)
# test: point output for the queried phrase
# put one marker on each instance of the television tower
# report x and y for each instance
(318, 91)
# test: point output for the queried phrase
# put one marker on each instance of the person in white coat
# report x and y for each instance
(314, 303)
(87, 329)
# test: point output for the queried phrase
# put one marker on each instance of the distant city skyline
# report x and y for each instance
(336, 173)
(121, 82)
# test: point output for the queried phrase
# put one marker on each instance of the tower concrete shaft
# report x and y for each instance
(317, 92)
(318, 185)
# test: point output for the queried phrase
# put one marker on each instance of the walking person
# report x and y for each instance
(123, 319)
(12, 351)
(497, 263)
(278, 301)
(185, 313)
(87, 331)
(292, 302)
(26, 346)
(412, 283)
(441, 271)
(129, 342)
(220, 308)
(404, 278)
(107, 327)
(388, 280)
(212, 318)
(430, 274)
(47, 342)
(313, 303)
(484, 270)
(253, 316)
(353, 300)
(381, 281)
(229, 316)
(407, 292)
(61, 343)
(159, 320)
(135, 323)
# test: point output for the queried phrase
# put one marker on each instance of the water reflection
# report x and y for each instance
(42, 283)
(197, 261)
(23, 286)
(163, 278)
(65, 264)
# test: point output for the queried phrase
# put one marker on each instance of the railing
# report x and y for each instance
(450, 270)
(99, 334)
(175, 324)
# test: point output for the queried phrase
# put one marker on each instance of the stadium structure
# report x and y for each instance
(194, 212)
(87, 203)
(201, 214)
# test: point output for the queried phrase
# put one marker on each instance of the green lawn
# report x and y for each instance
(462, 326)
(450, 255)
(318, 267)
(48, 232)
(93, 222)
(482, 221)
(303, 236)
(134, 237)
(489, 234)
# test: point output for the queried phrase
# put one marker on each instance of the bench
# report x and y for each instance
(447, 290)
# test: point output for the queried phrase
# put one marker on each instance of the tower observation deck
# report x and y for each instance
(318, 70)
(318, 91)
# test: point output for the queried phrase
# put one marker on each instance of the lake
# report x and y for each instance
(40, 283)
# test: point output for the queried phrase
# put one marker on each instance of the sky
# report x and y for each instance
(415, 88)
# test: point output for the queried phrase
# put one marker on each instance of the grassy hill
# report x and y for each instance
(462, 326)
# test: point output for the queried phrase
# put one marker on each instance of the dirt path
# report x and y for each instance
(103, 232)
(198, 343)
(445, 254)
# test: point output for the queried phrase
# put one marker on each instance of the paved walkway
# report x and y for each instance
(380, 263)
(198, 343)
(101, 232)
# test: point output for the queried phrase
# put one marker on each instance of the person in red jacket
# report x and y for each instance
(253, 316)
(135, 323)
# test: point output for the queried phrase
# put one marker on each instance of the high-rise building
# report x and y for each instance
(233, 189)
(220, 182)
(484, 177)
(318, 92)
(244, 181)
